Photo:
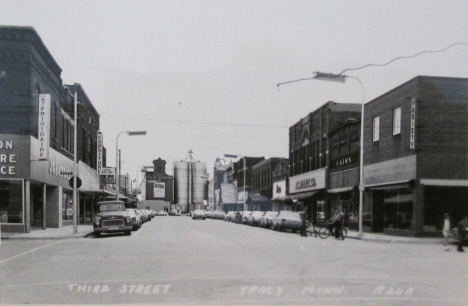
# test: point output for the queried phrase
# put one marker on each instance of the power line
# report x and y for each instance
(201, 123)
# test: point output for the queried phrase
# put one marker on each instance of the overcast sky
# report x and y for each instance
(202, 75)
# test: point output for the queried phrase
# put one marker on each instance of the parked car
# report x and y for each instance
(162, 213)
(136, 218)
(174, 212)
(208, 213)
(229, 216)
(219, 214)
(254, 218)
(143, 216)
(265, 219)
(198, 214)
(112, 217)
(287, 220)
(245, 214)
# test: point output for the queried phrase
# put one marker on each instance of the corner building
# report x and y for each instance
(36, 136)
(416, 157)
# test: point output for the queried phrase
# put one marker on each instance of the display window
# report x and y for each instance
(11, 201)
(67, 206)
(398, 209)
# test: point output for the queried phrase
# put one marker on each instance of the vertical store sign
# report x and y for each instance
(44, 126)
(99, 152)
(413, 123)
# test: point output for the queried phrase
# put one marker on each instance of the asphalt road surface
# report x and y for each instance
(177, 260)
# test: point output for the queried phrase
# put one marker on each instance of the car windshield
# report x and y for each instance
(111, 207)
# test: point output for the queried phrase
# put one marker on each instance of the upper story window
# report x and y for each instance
(376, 129)
(397, 121)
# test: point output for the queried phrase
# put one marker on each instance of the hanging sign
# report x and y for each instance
(44, 126)
(413, 124)
(99, 153)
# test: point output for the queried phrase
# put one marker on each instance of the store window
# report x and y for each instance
(11, 201)
(67, 206)
(398, 209)
(376, 129)
(397, 121)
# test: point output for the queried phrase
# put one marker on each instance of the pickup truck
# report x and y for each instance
(112, 217)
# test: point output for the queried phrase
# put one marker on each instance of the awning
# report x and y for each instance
(391, 185)
(301, 196)
(338, 190)
(98, 192)
(257, 198)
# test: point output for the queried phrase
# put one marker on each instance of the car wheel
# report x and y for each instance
(128, 233)
(97, 234)
(294, 231)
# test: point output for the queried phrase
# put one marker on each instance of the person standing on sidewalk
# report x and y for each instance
(304, 219)
(461, 233)
(446, 231)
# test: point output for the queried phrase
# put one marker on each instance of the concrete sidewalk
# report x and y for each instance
(65, 232)
(382, 238)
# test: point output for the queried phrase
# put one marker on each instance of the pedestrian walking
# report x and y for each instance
(304, 218)
(446, 231)
(461, 233)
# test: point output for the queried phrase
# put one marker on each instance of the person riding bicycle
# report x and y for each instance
(336, 223)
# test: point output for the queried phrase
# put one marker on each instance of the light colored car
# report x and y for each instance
(208, 213)
(245, 215)
(219, 214)
(265, 219)
(254, 218)
(229, 216)
(287, 220)
(174, 212)
(198, 214)
(136, 218)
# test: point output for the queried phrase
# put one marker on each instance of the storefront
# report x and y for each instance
(33, 191)
(390, 200)
(308, 190)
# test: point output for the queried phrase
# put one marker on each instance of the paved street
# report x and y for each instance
(180, 260)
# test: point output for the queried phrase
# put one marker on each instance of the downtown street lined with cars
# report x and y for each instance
(180, 261)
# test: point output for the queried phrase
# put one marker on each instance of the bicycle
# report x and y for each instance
(314, 230)
(325, 232)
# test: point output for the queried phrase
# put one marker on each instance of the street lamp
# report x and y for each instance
(117, 166)
(244, 170)
(341, 78)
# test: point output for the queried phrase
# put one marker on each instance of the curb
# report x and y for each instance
(48, 238)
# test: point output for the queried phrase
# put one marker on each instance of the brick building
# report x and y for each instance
(309, 158)
(36, 134)
(416, 156)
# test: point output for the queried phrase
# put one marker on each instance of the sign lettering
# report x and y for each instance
(99, 153)
(413, 124)
(44, 126)
(7, 159)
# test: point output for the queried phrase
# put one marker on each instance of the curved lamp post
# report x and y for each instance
(341, 78)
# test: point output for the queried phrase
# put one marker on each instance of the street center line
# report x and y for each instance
(30, 251)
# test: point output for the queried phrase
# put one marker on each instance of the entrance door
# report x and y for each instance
(378, 211)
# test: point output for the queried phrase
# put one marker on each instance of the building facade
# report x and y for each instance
(309, 158)
(36, 135)
(416, 157)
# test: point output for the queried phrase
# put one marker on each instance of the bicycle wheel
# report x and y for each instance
(324, 232)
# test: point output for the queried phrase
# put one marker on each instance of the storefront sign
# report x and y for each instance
(44, 126)
(279, 189)
(59, 170)
(309, 181)
(99, 153)
(7, 158)
(345, 161)
(159, 190)
(413, 124)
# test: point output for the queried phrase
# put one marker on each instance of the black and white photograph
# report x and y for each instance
(234, 152)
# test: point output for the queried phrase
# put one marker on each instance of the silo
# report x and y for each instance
(199, 182)
(181, 177)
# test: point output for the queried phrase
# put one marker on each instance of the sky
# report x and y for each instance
(203, 75)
